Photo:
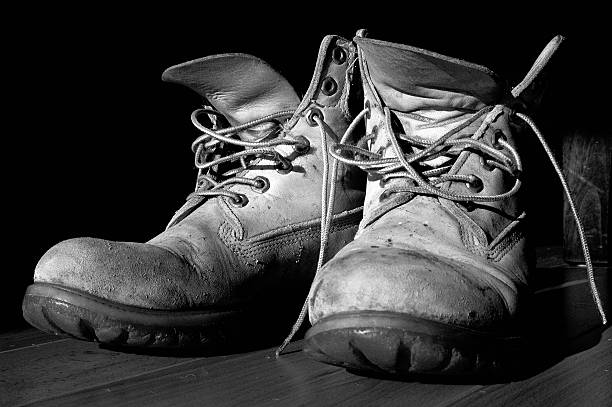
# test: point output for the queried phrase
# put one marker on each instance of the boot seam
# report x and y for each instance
(249, 248)
(497, 254)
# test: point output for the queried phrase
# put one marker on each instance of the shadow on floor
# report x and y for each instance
(562, 321)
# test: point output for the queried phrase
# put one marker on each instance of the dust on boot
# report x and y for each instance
(243, 248)
(436, 279)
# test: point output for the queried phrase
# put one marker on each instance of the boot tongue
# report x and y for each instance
(417, 84)
(241, 87)
(410, 79)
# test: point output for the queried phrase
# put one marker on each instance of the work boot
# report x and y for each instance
(437, 278)
(240, 254)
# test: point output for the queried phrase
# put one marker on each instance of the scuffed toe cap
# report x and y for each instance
(409, 282)
(134, 274)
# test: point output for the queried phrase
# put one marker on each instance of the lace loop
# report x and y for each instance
(327, 208)
(429, 181)
(426, 182)
(570, 201)
(216, 147)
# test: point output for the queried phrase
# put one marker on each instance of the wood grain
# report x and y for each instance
(582, 379)
(13, 340)
(568, 364)
(258, 379)
(58, 367)
(587, 167)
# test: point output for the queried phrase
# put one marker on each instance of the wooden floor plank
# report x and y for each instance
(58, 367)
(12, 340)
(68, 372)
(583, 379)
(259, 379)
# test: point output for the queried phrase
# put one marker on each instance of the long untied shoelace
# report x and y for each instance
(425, 182)
(211, 147)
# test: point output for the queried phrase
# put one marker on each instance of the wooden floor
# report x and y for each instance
(571, 365)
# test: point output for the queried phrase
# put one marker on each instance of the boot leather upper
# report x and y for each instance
(424, 256)
(215, 254)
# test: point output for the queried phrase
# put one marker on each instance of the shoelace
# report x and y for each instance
(426, 182)
(212, 142)
(327, 209)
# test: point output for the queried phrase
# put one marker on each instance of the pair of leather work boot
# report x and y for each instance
(427, 269)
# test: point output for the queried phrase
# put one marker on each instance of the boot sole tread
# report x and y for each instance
(63, 311)
(400, 344)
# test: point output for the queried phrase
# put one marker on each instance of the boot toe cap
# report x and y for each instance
(409, 282)
(127, 273)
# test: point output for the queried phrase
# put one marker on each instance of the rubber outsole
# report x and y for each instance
(398, 344)
(63, 311)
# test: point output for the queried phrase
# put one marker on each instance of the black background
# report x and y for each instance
(94, 144)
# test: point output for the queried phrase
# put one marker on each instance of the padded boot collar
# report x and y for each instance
(409, 79)
(330, 83)
(240, 86)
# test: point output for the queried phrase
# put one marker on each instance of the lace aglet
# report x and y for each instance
(280, 349)
(602, 314)
(278, 352)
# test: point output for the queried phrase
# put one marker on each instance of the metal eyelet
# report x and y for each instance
(284, 167)
(302, 146)
(467, 206)
(374, 130)
(314, 112)
(484, 164)
(381, 151)
(329, 86)
(241, 201)
(386, 194)
(263, 184)
(367, 106)
(474, 184)
(202, 184)
(499, 135)
(339, 55)
(513, 119)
